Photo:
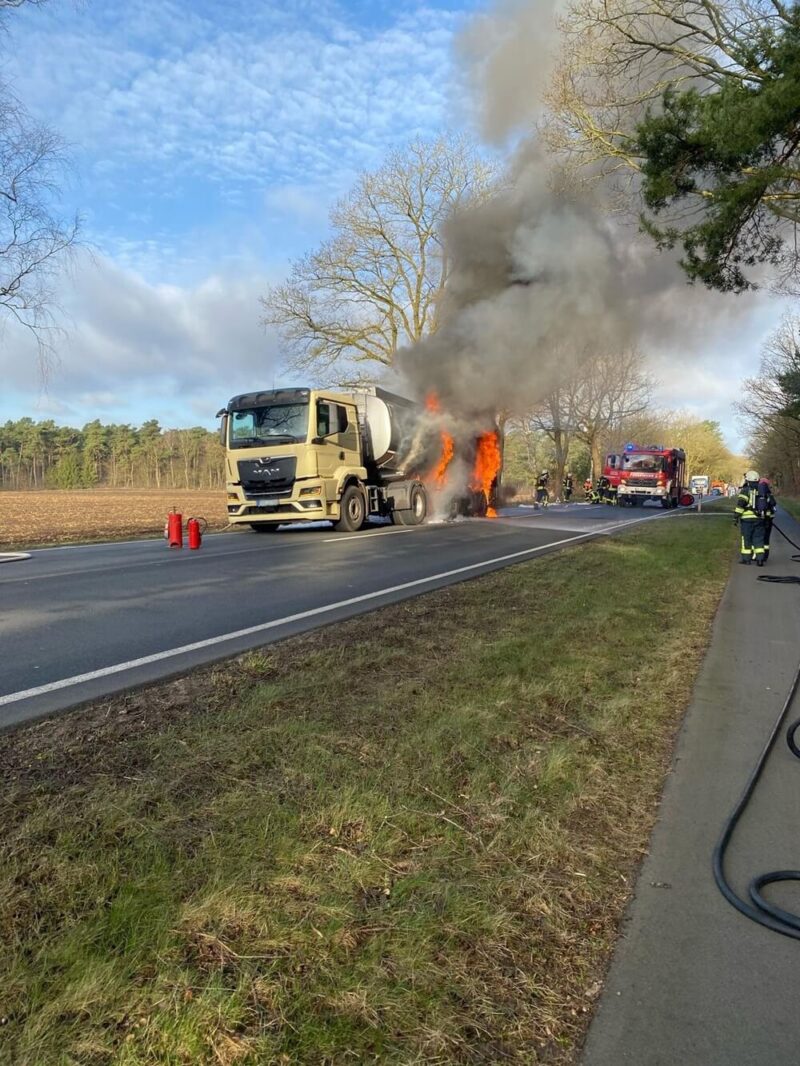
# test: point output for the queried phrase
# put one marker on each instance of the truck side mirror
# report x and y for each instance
(223, 427)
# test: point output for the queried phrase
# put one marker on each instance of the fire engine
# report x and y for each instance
(650, 472)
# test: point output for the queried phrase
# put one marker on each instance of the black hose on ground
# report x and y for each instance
(795, 558)
(760, 909)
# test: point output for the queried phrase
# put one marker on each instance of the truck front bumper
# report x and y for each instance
(307, 503)
(650, 493)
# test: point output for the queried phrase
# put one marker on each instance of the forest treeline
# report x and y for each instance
(36, 455)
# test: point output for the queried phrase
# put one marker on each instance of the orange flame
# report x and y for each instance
(487, 465)
(439, 475)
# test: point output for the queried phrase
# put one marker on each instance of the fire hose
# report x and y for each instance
(788, 580)
(759, 909)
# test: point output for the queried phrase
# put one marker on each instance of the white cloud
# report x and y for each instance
(702, 363)
(301, 204)
(198, 89)
(136, 350)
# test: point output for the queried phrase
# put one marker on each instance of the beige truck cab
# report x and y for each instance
(306, 455)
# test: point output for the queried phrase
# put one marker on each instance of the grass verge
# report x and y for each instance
(403, 839)
(791, 504)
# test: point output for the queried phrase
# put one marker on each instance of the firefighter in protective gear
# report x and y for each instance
(542, 494)
(765, 505)
(608, 492)
(588, 488)
(567, 485)
(751, 524)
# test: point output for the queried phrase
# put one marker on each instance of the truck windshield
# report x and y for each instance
(273, 424)
(650, 464)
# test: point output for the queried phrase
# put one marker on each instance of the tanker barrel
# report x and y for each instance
(389, 429)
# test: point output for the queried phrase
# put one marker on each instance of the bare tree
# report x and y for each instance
(619, 57)
(557, 419)
(607, 389)
(375, 285)
(770, 395)
(590, 404)
(770, 402)
(33, 239)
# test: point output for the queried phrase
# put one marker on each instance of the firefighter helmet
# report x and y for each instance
(751, 475)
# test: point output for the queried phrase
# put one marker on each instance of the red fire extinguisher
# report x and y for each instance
(175, 529)
(195, 527)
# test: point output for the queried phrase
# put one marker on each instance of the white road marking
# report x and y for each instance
(210, 642)
(13, 557)
(363, 536)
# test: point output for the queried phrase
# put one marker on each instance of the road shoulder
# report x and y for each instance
(693, 981)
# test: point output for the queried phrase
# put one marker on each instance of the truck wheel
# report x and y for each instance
(479, 504)
(353, 510)
(264, 527)
(416, 514)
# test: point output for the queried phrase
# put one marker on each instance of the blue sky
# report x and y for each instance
(209, 140)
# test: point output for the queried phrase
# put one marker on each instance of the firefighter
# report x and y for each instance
(567, 486)
(608, 492)
(765, 505)
(746, 516)
(542, 492)
(588, 489)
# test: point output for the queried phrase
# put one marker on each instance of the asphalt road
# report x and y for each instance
(81, 622)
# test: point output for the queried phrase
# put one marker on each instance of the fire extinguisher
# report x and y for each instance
(175, 529)
(195, 528)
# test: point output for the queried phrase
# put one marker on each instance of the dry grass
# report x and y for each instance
(405, 839)
(60, 516)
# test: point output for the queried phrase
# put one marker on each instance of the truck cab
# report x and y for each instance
(310, 454)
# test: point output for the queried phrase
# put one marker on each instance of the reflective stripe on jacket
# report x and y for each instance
(746, 503)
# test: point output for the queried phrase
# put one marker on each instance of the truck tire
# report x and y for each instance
(416, 514)
(264, 527)
(353, 510)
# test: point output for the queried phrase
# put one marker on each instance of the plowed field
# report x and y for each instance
(64, 517)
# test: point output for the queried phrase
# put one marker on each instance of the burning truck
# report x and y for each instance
(305, 455)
